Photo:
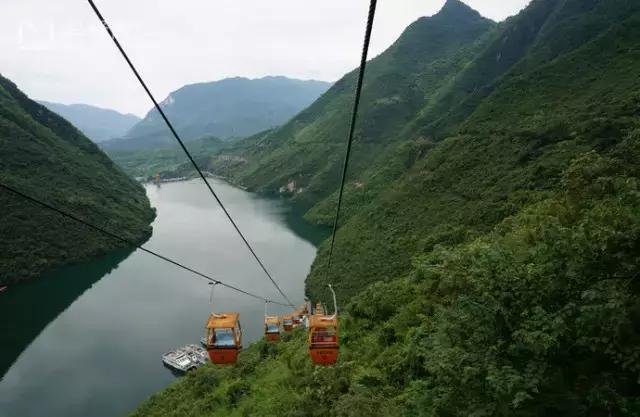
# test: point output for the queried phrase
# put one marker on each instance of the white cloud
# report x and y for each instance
(57, 50)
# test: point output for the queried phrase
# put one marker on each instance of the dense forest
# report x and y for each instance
(489, 256)
(44, 156)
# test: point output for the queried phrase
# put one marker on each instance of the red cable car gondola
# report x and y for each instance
(272, 328)
(287, 323)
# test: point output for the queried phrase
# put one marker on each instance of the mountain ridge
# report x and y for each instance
(308, 148)
(228, 108)
(97, 123)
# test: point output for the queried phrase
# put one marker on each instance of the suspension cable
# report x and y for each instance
(352, 127)
(132, 244)
(184, 148)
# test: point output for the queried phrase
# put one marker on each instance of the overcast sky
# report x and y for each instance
(56, 50)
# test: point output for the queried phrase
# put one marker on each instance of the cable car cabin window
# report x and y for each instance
(324, 336)
(272, 328)
(287, 322)
(223, 338)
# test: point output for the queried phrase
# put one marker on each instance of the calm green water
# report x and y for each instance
(87, 340)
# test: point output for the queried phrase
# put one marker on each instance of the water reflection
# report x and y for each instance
(294, 219)
(27, 308)
(92, 337)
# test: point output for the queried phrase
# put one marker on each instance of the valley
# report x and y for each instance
(226, 109)
(477, 253)
(485, 261)
(101, 326)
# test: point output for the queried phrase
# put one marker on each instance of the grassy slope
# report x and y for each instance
(45, 156)
(508, 255)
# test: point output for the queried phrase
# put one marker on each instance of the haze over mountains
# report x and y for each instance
(229, 108)
(96, 123)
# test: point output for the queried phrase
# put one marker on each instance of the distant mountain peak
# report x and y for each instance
(227, 108)
(456, 9)
(97, 123)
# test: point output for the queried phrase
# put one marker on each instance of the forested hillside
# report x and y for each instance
(489, 258)
(309, 148)
(44, 156)
(515, 144)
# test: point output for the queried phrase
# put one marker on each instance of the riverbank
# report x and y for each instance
(168, 178)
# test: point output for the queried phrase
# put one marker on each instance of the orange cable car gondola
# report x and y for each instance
(296, 318)
(224, 337)
(287, 323)
(272, 328)
(323, 336)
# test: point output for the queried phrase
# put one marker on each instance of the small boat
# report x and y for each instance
(187, 358)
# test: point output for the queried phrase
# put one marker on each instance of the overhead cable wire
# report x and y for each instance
(352, 126)
(133, 244)
(184, 148)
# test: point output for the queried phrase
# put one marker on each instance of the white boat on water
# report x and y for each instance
(186, 358)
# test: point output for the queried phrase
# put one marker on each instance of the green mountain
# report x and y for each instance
(516, 141)
(96, 123)
(43, 155)
(488, 262)
(230, 108)
(309, 148)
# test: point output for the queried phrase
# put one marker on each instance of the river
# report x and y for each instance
(87, 340)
